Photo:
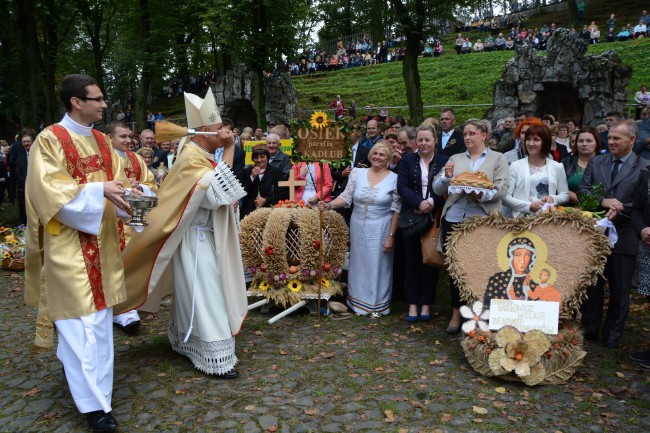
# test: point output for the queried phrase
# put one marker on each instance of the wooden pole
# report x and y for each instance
(320, 253)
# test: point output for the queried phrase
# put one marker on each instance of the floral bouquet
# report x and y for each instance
(12, 247)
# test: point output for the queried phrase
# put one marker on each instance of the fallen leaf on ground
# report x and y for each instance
(32, 392)
(479, 410)
(250, 407)
(500, 390)
(619, 374)
(445, 417)
(272, 428)
(513, 418)
(379, 369)
(478, 420)
(283, 352)
(311, 411)
(181, 392)
(403, 430)
(390, 417)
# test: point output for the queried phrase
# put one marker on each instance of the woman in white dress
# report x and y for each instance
(372, 228)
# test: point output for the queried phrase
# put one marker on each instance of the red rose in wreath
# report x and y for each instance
(269, 250)
(316, 245)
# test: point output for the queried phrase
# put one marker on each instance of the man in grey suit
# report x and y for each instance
(619, 172)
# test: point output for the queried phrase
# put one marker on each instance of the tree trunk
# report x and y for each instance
(572, 9)
(259, 61)
(144, 91)
(411, 76)
(29, 54)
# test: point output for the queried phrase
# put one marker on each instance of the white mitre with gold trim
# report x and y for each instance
(201, 112)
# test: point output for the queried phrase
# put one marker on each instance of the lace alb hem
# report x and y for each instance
(210, 357)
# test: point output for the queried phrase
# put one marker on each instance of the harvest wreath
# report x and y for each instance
(280, 248)
(563, 243)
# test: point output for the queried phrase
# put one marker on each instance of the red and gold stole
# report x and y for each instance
(134, 171)
(79, 167)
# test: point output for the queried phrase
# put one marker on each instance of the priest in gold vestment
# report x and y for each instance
(191, 248)
(74, 196)
(138, 176)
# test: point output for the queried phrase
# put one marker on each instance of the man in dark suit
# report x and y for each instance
(610, 119)
(22, 155)
(450, 140)
(359, 159)
(619, 172)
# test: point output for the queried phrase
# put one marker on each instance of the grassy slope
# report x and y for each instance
(450, 79)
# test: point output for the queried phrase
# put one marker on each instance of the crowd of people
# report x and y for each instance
(70, 183)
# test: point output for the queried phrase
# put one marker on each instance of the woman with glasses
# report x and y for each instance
(461, 206)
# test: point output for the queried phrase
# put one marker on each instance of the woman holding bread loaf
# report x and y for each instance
(476, 182)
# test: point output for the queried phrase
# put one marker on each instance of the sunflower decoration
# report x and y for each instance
(295, 286)
(319, 120)
(263, 286)
(324, 282)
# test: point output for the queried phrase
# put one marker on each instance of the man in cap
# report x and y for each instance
(191, 248)
(72, 191)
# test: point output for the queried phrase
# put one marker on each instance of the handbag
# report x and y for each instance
(412, 224)
(429, 240)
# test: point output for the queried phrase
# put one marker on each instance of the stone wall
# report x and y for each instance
(562, 82)
(235, 97)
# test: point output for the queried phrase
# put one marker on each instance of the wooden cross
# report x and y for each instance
(292, 183)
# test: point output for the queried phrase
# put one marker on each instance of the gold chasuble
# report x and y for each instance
(69, 273)
(134, 168)
(147, 257)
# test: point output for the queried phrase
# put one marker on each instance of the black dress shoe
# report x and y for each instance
(232, 374)
(101, 422)
(590, 336)
(132, 328)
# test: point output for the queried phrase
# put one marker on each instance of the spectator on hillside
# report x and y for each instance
(500, 42)
(585, 34)
(437, 49)
(641, 98)
(644, 18)
(624, 34)
(580, 5)
(510, 44)
(611, 35)
(478, 46)
(459, 44)
(595, 33)
(611, 22)
(640, 30)
(467, 47)
(489, 43)
(352, 109)
(338, 106)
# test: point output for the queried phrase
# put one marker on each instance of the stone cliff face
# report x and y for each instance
(562, 82)
(235, 97)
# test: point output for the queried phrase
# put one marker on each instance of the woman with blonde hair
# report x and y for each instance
(373, 223)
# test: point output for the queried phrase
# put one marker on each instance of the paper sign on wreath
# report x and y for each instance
(294, 251)
(517, 274)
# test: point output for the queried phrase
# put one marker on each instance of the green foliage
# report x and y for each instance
(590, 200)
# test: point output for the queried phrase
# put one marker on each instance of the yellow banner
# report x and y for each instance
(285, 146)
